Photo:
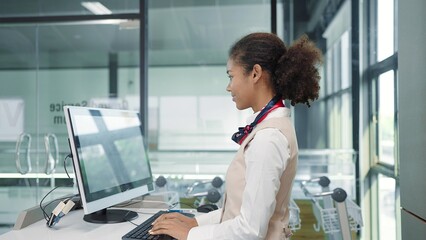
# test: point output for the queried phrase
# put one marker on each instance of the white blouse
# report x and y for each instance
(266, 160)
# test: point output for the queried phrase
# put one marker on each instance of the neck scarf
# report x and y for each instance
(243, 132)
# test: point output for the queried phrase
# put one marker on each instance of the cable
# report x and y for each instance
(46, 216)
(130, 221)
(65, 165)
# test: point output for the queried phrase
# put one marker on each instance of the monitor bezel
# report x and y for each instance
(109, 201)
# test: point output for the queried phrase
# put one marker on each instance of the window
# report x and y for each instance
(334, 107)
(382, 77)
(387, 208)
(385, 29)
(386, 118)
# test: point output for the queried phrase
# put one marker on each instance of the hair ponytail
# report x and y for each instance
(296, 76)
(294, 73)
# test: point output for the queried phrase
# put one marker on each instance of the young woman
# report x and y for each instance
(262, 72)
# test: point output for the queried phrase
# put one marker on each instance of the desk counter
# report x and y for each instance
(73, 227)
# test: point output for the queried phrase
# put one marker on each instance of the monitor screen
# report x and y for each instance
(109, 158)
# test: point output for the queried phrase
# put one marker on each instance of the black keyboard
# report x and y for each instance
(141, 231)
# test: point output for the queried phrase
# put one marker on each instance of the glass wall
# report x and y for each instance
(49, 8)
(48, 61)
(329, 120)
(191, 115)
(328, 123)
(54, 54)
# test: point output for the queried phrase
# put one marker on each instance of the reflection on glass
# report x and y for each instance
(387, 209)
(96, 160)
(86, 125)
(120, 122)
(190, 108)
(385, 29)
(64, 8)
(130, 150)
(113, 154)
(386, 118)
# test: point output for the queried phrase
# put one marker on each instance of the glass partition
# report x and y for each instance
(191, 115)
(183, 169)
(42, 68)
(66, 8)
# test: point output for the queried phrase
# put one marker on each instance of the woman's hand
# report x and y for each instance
(173, 224)
(187, 220)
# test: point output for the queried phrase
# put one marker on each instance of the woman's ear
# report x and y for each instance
(256, 72)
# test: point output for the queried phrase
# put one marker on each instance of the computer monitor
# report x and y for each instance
(110, 161)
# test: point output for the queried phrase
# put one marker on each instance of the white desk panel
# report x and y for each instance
(73, 227)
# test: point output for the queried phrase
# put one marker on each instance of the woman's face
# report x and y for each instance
(240, 86)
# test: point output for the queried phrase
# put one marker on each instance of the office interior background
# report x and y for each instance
(167, 59)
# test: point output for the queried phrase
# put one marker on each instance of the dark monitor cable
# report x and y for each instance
(65, 204)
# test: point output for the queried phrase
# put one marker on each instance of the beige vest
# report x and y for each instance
(235, 180)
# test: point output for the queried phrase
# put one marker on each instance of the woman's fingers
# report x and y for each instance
(170, 226)
(174, 215)
(164, 224)
(166, 216)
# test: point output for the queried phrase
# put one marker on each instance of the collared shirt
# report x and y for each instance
(266, 160)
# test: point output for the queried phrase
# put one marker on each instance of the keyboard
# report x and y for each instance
(141, 231)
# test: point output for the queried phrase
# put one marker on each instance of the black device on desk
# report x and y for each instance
(141, 231)
(207, 208)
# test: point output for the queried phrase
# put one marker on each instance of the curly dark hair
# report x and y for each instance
(294, 70)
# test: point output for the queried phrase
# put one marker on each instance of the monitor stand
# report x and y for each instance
(110, 216)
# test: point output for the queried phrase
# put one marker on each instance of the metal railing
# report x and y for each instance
(336, 214)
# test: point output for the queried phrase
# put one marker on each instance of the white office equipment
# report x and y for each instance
(110, 161)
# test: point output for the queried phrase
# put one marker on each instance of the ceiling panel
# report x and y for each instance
(179, 33)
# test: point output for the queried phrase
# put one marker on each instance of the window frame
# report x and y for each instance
(371, 74)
